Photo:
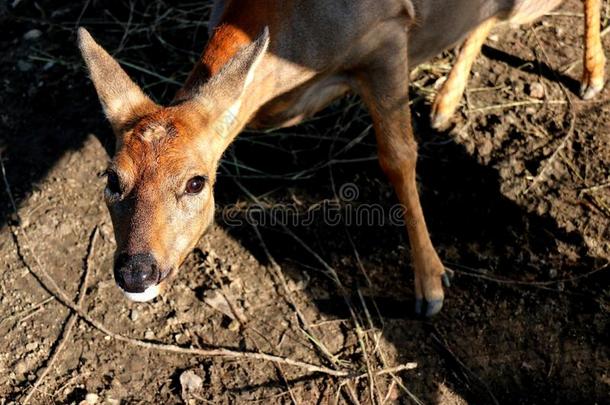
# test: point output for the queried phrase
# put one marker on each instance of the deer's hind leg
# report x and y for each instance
(594, 58)
(384, 86)
(449, 96)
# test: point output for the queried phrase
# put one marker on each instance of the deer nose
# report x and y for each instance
(135, 273)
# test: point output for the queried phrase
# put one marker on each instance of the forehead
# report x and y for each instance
(162, 140)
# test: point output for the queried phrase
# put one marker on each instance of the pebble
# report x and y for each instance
(190, 382)
(32, 35)
(149, 334)
(233, 326)
(91, 398)
(21, 367)
(30, 347)
(24, 66)
(536, 90)
(134, 315)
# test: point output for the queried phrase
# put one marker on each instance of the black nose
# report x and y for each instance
(135, 273)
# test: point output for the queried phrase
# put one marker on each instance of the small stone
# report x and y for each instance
(32, 35)
(536, 90)
(30, 347)
(190, 382)
(21, 367)
(149, 334)
(218, 301)
(91, 398)
(234, 326)
(134, 315)
(299, 283)
(24, 66)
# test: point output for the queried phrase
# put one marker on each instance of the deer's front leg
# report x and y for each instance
(384, 88)
(594, 58)
(398, 156)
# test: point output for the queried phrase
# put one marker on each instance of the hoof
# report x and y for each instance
(419, 305)
(439, 120)
(428, 308)
(590, 90)
(434, 307)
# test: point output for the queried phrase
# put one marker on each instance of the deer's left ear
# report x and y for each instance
(123, 101)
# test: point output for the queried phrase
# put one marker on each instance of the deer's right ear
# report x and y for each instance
(123, 101)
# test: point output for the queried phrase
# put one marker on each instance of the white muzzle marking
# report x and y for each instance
(147, 295)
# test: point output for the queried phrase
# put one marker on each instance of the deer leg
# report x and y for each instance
(594, 58)
(384, 88)
(450, 94)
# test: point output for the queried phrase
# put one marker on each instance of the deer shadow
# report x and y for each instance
(489, 344)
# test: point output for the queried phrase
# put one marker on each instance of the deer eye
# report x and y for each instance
(195, 185)
(113, 184)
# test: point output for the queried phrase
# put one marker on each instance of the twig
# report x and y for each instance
(472, 272)
(7, 187)
(150, 72)
(389, 393)
(549, 163)
(306, 327)
(369, 283)
(515, 104)
(28, 312)
(71, 319)
(467, 371)
(593, 188)
(390, 370)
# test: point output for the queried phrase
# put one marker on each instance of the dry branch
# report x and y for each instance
(71, 319)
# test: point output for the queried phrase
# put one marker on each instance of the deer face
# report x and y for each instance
(159, 194)
(159, 184)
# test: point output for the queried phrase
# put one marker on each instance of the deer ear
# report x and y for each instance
(121, 98)
(226, 88)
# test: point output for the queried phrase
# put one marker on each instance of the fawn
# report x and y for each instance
(272, 63)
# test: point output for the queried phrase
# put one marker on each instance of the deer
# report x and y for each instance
(271, 64)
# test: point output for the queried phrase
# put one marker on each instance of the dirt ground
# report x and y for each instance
(516, 194)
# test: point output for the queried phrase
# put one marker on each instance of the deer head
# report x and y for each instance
(160, 182)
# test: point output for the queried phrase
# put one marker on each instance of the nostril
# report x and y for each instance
(135, 273)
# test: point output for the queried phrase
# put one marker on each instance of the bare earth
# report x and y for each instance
(516, 194)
